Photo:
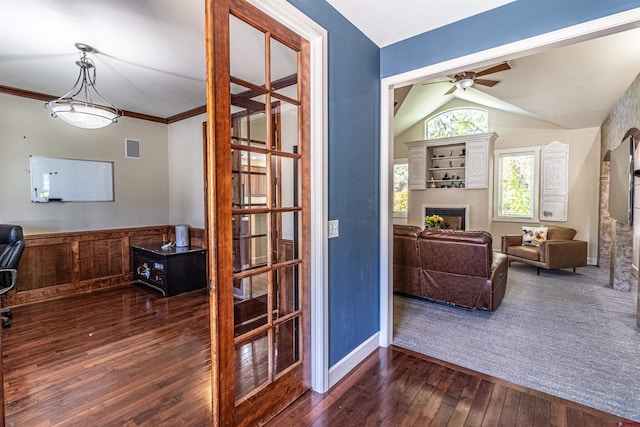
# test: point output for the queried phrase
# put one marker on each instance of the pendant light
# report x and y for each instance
(83, 106)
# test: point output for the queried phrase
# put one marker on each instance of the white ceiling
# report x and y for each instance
(151, 57)
(151, 53)
(389, 21)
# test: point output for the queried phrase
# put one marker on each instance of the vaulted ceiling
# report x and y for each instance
(573, 87)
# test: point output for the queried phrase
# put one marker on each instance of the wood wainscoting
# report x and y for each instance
(59, 264)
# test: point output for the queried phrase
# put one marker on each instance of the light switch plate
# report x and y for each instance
(334, 228)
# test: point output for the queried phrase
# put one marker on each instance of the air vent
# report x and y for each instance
(132, 148)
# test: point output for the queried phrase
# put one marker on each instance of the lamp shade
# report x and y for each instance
(81, 114)
(464, 83)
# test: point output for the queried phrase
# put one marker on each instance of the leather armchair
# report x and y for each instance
(559, 250)
(11, 247)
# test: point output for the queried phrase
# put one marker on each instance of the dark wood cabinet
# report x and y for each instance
(171, 271)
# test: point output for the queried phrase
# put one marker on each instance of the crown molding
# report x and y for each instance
(125, 113)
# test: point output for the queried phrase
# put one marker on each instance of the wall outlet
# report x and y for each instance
(334, 228)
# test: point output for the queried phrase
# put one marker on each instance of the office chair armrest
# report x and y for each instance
(14, 274)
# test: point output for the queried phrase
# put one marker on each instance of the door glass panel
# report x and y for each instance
(285, 284)
(253, 123)
(286, 344)
(266, 206)
(249, 241)
(248, 179)
(246, 42)
(287, 114)
(237, 89)
(286, 228)
(250, 303)
(251, 364)
(284, 69)
(286, 193)
(248, 117)
(248, 129)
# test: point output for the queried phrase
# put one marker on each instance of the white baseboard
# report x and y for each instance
(351, 360)
(592, 261)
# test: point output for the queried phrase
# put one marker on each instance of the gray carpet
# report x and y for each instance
(564, 334)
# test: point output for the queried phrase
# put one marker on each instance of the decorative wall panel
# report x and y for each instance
(43, 264)
(554, 192)
(417, 168)
(477, 173)
(100, 258)
(59, 264)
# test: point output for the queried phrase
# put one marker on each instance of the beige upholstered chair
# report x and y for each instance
(559, 250)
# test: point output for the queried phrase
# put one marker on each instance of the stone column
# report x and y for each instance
(604, 242)
(621, 257)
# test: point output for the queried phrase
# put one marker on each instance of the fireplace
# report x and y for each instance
(456, 217)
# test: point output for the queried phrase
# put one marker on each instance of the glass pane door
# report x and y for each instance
(266, 209)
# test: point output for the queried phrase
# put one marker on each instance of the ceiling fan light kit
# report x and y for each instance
(464, 83)
(77, 107)
(466, 79)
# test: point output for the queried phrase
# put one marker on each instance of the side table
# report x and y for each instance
(171, 271)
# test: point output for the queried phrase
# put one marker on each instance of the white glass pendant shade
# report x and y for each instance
(77, 107)
(81, 114)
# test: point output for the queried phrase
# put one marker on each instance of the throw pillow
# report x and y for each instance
(527, 236)
(539, 235)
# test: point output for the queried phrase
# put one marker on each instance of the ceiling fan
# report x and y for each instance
(466, 79)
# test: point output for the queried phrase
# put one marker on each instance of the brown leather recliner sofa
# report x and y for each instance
(456, 267)
(559, 250)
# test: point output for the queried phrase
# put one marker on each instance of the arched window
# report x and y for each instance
(457, 122)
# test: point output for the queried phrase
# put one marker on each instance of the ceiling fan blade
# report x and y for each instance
(450, 91)
(500, 67)
(434, 83)
(486, 82)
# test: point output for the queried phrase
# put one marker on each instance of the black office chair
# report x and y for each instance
(11, 247)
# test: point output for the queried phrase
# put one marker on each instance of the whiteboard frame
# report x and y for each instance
(79, 180)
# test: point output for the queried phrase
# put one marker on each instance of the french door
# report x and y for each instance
(258, 107)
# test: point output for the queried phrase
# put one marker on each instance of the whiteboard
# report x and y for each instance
(70, 180)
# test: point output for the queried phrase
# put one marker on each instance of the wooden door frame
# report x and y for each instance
(295, 20)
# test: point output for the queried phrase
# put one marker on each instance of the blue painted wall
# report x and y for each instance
(354, 189)
(512, 22)
(355, 66)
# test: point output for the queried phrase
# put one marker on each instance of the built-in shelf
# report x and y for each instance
(468, 155)
(447, 157)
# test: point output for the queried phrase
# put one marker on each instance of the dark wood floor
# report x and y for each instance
(396, 387)
(123, 356)
(127, 356)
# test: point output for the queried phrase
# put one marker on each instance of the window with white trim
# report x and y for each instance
(457, 122)
(516, 184)
(400, 187)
